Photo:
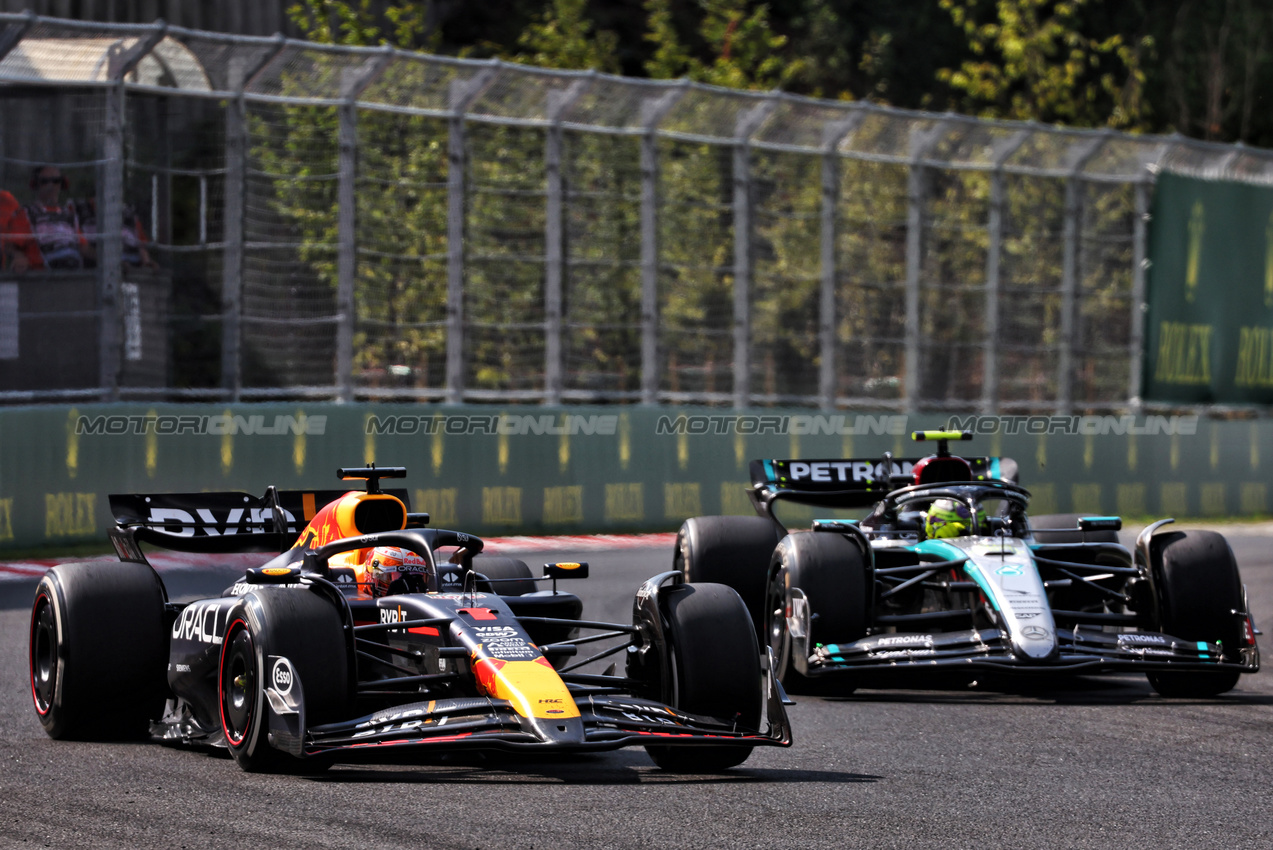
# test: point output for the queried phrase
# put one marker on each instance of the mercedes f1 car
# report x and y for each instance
(948, 573)
(360, 640)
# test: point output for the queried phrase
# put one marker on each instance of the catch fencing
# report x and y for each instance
(368, 223)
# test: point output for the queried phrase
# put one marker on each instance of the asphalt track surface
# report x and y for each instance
(1088, 762)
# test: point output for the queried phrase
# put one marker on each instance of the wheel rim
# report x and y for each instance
(779, 639)
(44, 654)
(238, 684)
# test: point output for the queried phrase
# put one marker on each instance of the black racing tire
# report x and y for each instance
(1199, 588)
(1062, 528)
(729, 550)
(715, 671)
(830, 570)
(306, 628)
(98, 651)
(511, 576)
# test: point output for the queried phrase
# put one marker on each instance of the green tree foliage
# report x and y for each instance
(1032, 61)
(356, 23)
(563, 38)
(741, 49)
(1197, 67)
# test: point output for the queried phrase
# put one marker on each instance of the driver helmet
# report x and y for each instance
(385, 565)
(948, 518)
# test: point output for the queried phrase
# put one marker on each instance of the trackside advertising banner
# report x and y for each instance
(1209, 328)
(578, 470)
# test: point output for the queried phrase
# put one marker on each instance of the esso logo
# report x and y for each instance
(282, 676)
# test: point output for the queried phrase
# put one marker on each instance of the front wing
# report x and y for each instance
(609, 722)
(1078, 651)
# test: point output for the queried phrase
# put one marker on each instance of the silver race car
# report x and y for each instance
(948, 572)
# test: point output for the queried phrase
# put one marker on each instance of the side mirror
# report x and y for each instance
(566, 570)
(1100, 523)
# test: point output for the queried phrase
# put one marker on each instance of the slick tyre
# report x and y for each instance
(1199, 588)
(98, 651)
(507, 576)
(302, 626)
(715, 671)
(829, 572)
(729, 550)
(1062, 528)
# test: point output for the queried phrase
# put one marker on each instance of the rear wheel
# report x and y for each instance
(1199, 589)
(98, 650)
(507, 576)
(715, 672)
(1063, 528)
(729, 550)
(830, 573)
(301, 626)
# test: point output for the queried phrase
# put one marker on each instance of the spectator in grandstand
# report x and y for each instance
(133, 250)
(55, 225)
(18, 251)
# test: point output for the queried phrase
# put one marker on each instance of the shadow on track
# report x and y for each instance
(1002, 690)
(588, 770)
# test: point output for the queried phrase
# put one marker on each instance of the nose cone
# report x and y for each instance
(537, 694)
(1033, 642)
(1005, 570)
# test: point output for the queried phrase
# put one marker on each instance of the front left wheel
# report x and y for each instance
(305, 628)
(715, 671)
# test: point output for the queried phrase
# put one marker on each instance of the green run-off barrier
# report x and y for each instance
(529, 469)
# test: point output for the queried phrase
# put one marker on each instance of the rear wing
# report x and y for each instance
(852, 482)
(218, 522)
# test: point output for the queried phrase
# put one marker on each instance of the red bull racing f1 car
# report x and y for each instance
(948, 573)
(363, 639)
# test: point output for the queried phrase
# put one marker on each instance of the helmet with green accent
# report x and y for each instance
(948, 518)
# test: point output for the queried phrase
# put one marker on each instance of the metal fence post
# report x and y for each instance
(653, 111)
(462, 94)
(832, 134)
(747, 123)
(232, 264)
(990, 357)
(110, 217)
(109, 247)
(354, 82)
(238, 75)
(1070, 271)
(554, 247)
(1140, 233)
(921, 142)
